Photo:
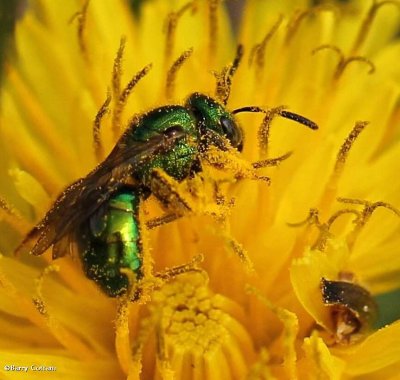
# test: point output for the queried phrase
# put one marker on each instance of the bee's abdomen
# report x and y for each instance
(111, 243)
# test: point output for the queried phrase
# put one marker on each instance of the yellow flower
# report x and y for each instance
(264, 302)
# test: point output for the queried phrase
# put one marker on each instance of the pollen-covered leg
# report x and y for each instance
(230, 161)
(192, 197)
(167, 191)
(189, 197)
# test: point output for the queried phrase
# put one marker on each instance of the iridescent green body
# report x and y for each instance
(110, 241)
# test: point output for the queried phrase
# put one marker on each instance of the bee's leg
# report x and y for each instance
(183, 198)
(181, 202)
(230, 162)
(167, 190)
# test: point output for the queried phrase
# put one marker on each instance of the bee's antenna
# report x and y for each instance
(286, 114)
(299, 119)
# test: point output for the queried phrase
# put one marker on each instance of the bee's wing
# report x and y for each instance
(83, 197)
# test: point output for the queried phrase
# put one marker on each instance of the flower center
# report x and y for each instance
(198, 331)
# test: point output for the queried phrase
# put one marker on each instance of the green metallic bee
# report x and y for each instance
(100, 211)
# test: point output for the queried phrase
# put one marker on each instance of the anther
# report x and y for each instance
(298, 17)
(191, 266)
(171, 74)
(224, 78)
(97, 146)
(312, 218)
(11, 216)
(342, 65)
(80, 16)
(213, 28)
(348, 143)
(343, 61)
(367, 23)
(117, 69)
(257, 53)
(271, 161)
(170, 25)
(123, 97)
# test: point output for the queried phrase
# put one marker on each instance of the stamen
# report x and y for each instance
(117, 69)
(324, 228)
(348, 143)
(80, 16)
(329, 194)
(171, 23)
(263, 133)
(232, 69)
(291, 329)
(344, 62)
(97, 145)
(333, 48)
(257, 53)
(238, 249)
(123, 98)
(8, 289)
(63, 335)
(339, 213)
(165, 219)
(271, 161)
(367, 23)
(299, 16)
(169, 273)
(213, 29)
(341, 67)
(171, 74)
(13, 218)
(365, 215)
(295, 22)
(133, 350)
(312, 218)
(224, 78)
(122, 338)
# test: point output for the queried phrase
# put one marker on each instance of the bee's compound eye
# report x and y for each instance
(232, 132)
(173, 131)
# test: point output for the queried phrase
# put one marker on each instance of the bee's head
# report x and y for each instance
(214, 121)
